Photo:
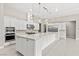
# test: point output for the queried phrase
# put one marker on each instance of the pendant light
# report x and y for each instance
(30, 19)
(39, 12)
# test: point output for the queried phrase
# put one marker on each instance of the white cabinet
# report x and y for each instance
(16, 24)
(33, 45)
(9, 21)
(23, 24)
(62, 31)
(19, 24)
(12, 21)
(25, 46)
(6, 21)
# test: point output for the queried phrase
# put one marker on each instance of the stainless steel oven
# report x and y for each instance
(9, 33)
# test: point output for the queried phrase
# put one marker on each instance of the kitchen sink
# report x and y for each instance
(30, 33)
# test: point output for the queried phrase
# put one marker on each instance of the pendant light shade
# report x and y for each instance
(30, 16)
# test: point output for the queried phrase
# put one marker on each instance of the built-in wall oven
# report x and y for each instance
(9, 33)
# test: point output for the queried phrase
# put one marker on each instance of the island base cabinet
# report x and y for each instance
(25, 46)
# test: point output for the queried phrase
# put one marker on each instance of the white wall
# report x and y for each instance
(1, 26)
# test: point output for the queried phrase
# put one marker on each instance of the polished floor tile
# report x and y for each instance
(63, 48)
(67, 47)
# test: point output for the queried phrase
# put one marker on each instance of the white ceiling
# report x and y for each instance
(54, 9)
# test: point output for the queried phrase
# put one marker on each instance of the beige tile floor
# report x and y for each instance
(9, 51)
(63, 48)
(67, 47)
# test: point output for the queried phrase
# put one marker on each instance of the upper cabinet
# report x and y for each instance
(6, 21)
(14, 22)
(9, 21)
(19, 24)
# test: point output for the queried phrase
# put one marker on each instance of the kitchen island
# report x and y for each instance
(33, 44)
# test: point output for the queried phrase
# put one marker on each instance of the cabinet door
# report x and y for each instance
(22, 24)
(21, 45)
(30, 47)
(25, 46)
(25, 22)
(6, 21)
(9, 21)
(12, 21)
(62, 31)
(17, 24)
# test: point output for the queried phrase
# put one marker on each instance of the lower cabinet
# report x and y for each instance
(25, 46)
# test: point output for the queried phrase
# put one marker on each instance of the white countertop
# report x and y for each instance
(34, 36)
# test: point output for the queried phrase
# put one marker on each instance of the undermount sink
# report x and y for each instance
(30, 33)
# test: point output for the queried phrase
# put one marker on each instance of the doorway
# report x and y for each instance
(71, 30)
